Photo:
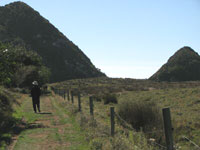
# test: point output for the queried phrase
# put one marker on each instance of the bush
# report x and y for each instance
(19, 67)
(145, 115)
(110, 98)
(6, 100)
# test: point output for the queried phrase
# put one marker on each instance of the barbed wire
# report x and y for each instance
(127, 125)
(161, 146)
(191, 142)
(131, 128)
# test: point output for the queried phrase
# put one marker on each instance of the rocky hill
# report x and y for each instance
(184, 65)
(22, 25)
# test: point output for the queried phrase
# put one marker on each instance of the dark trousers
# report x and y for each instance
(36, 103)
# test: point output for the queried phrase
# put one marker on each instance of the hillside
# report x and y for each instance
(22, 25)
(184, 65)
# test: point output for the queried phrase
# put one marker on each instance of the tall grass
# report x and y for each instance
(141, 115)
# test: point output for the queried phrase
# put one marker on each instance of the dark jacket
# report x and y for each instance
(35, 92)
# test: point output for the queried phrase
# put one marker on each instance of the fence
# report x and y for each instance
(168, 130)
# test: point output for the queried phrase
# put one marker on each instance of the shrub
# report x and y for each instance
(145, 115)
(6, 119)
(19, 67)
(110, 98)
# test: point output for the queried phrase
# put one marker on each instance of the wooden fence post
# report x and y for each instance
(72, 96)
(168, 128)
(68, 95)
(64, 94)
(56, 90)
(91, 106)
(112, 120)
(79, 102)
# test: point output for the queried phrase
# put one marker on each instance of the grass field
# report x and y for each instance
(184, 104)
(61, 126)
(183, 99)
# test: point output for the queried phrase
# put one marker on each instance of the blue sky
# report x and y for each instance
(125, 38)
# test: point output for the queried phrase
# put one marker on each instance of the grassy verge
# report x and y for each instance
(8, 123)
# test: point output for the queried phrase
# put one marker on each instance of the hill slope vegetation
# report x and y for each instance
(22, 25)
(184, 65)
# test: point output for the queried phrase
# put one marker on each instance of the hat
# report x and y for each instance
(35, 83)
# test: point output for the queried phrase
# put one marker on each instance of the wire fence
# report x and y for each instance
(193, 143)
(128, 126)
(159, 145)
(125, 124)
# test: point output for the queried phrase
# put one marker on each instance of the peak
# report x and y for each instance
(17, 4)
(186, 50)
(184, 65)
(183, 54)
(22, 25)
(186, 47)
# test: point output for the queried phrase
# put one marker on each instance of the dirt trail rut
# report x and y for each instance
(53, 129)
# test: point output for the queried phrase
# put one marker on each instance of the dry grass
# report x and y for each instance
(183, 99)
(141, 115)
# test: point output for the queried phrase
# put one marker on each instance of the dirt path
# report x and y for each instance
(52, 129)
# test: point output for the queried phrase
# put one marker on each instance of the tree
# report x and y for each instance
(19, 67)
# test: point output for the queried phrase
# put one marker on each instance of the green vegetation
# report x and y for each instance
(19, 67)
(145, 98)
(97, 128)
(30, 44)
(21, 25)
(184, 65)
(62, 126)
(52, 129)
(7, 121)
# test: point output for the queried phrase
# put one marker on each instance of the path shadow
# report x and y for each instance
(45, 113)
(24, 126)
(14, 128)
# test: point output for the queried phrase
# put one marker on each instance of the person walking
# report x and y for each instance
(35, 94)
